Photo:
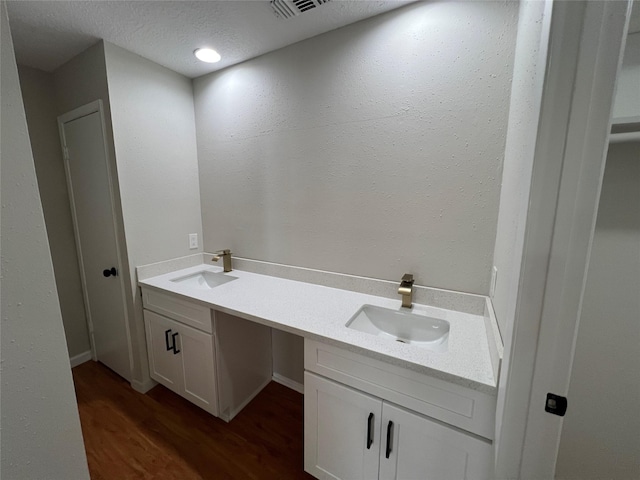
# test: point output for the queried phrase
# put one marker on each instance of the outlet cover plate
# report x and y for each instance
(193, 241)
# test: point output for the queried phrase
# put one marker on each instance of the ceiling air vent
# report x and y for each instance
(293, 8)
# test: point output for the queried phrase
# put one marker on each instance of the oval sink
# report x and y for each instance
(402, 326)
(204, 280)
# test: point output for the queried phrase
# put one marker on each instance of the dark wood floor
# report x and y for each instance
(159, 435)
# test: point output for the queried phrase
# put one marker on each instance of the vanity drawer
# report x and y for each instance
(456, 405)
(174, 307)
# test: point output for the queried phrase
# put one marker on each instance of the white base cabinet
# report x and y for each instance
(182, 359)
(351, 435)
(368, 419)
(215, 360)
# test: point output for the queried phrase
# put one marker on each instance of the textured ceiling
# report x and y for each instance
(46, 34)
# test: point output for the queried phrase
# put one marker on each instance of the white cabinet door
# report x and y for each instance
(342, 426)
(165, 367)
(182, 359)
(420, 448)
(198, 370)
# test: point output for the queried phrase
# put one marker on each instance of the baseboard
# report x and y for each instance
(80, 359)
(287, 382)
(143, 387)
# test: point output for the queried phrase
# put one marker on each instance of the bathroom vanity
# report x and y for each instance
(368, 419)
(215, 360)
(379, 403)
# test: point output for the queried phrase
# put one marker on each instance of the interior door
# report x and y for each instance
(88, 181)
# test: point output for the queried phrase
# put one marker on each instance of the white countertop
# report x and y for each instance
(320, 313)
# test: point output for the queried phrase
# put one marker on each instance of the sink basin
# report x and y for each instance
(204, 280)
(402, 326)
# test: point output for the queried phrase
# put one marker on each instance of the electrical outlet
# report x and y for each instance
(494, 277)
(193, 241)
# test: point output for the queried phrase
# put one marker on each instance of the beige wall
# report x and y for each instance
(41, 436)
(373, 150)
(38, 93)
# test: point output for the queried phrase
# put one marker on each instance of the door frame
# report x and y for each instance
(586, 42)
(88, 109)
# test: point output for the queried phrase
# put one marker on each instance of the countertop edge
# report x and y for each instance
(423, 369)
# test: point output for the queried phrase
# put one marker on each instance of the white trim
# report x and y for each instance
(583, 59)
(80, 358)
(144, 386)
(625, 120)
(624, 137)
(287, 382)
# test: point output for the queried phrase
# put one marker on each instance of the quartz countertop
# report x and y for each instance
(320, 313)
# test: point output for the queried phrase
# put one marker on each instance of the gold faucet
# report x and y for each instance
(406, 290)
(226, 259)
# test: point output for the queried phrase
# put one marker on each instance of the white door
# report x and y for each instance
(82, 136)
(164, 364)
(342, 431)
(415, 447)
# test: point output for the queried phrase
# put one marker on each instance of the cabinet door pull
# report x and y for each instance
(389, 436)
(173, 347)
(370, 430)
(166, 339)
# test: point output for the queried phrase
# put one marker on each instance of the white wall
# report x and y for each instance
(155, 148)
(38, 93)
(82, 80)
(154, 133)
(601, 432)
(41, 436)
(524, 113)
(627, 103)
(373, 150)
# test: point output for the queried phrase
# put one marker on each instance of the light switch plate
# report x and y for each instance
(494, 277)
(193, 241)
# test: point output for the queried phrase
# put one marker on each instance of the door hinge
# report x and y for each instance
(556, 404)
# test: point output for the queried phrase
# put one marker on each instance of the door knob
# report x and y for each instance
(109, 272)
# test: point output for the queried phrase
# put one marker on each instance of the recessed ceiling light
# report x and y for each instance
(207, 55)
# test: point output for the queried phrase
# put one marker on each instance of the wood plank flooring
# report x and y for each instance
(160, 435)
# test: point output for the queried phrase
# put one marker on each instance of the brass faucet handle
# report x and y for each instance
(407, 278)
(226, 253)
